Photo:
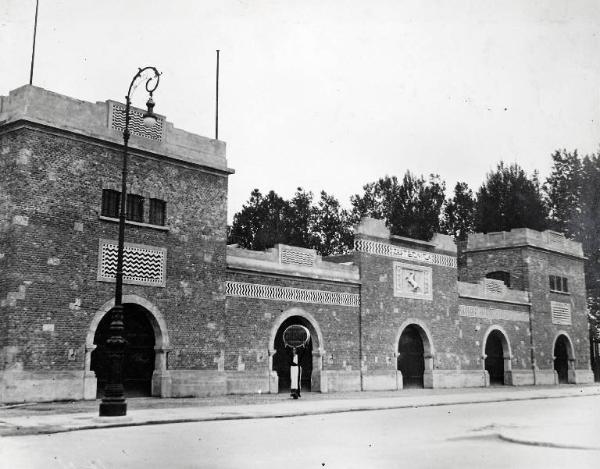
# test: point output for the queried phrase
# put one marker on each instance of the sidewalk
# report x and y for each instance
(55, 417)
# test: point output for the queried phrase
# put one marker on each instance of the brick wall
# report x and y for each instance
(51, 193)
(251, 320)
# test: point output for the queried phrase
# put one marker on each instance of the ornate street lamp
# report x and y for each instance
(113, 403)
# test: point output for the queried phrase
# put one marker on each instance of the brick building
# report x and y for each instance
(206, 318)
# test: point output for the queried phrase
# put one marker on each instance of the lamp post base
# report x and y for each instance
(113, 408)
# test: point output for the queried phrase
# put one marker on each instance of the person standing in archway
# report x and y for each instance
(295, 375)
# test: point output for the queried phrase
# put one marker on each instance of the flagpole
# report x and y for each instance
(37, 4)
(217, 101)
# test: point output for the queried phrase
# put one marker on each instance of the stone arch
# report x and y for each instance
(506, 352)
(313, 326)
(570, 349)
(424, 332)
(161, 383)
(428, 349)
(318, 351)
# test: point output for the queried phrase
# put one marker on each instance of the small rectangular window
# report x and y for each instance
(157, 212)
(135, 207)
(559, 284)
(110, 203)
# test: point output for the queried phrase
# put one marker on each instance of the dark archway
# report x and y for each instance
(494, 357)
(138, 363)
(411, 360)
(562, 348)
(283, 356)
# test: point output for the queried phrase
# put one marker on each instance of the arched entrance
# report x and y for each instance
(563, 356)
(138, 361)
(283, 357)
(310, 357)
(145, 365)
(496, 356)
(411, 357)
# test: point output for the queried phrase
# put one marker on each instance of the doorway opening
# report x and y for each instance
(494, 357)
(411, 360)
(139, 357)
(562, 354)
(282, 358)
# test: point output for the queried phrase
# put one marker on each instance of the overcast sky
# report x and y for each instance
(331, 94)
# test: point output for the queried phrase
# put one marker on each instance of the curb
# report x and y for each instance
(266, 414)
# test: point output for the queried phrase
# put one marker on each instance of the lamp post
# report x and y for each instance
(113, 403)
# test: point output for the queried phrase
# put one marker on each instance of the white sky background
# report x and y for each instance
(332, 94)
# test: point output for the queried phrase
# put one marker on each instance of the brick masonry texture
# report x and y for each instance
(251, 322)
(51, 182)
(58, 187)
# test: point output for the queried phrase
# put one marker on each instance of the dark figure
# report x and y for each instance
(295, 375)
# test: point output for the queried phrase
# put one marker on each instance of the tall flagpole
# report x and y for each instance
(217, 101)
(37, 4)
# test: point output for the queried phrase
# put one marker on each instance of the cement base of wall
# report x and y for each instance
(382, 380)
(583, 376)
(457, 378)
(42, 386)
(202, 383)
(340, 381)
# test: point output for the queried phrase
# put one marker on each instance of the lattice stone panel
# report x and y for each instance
(296, 256)
(136, 122)
(397, 252)
(495, 287)
(561, 313)
(298, 295)
(492, 313)
(142, 265)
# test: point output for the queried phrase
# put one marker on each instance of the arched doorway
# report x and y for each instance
(283, 356)
(139, 358)
(411, 357)
(563, 354)
(495, 347)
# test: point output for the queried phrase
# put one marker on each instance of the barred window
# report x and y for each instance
(110, 203)
(135, 207)
(559, 284)
(158, 212)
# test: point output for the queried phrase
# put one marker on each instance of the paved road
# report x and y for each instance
(461, 436)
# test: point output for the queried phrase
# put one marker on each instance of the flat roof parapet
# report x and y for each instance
(517, 237)
(292, 261)
(494, 290)
(105, 121)
(373, 228)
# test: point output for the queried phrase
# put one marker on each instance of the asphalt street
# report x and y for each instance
(548, 433)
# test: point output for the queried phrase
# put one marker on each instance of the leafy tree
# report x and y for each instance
(332, 227)
(574, 201)
(261, 223)
(563, 190)
(509, 199)
(267, 220)
(410, 208)
(458, 212)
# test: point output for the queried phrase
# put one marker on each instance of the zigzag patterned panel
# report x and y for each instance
(492, 313)
(298, 295)
(136, 123)
(142, 265)
(397, 252)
